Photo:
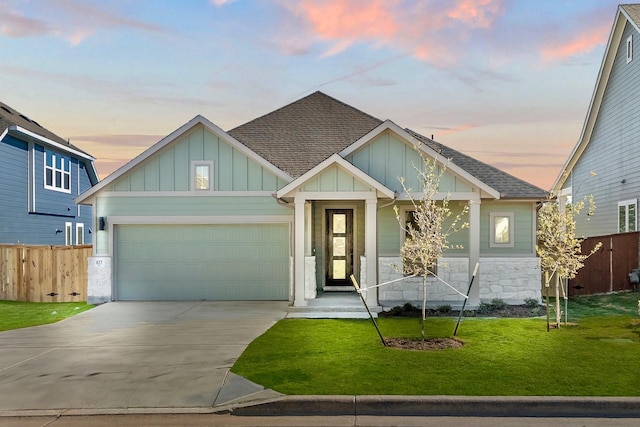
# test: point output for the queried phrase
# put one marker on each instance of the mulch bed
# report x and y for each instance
(427, 344)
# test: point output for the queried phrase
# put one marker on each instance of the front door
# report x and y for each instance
(339, 257)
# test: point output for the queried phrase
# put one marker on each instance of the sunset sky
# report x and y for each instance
(505, 81)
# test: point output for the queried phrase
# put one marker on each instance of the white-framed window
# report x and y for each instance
(627, 215)
(629, 48)
(68, 233)
(501, 229)
(410, 221)
(57, 172)
(202, 175)
(79, 234)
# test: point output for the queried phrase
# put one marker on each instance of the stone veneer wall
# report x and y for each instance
(310, 289)
(99, 280)
(511, 279)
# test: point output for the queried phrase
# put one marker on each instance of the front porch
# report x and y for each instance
(333, 305)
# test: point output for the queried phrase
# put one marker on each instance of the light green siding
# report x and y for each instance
(195, 262)
(387, 158)
(170, 169)
(390, 233)
(524, 218)
(333, 179)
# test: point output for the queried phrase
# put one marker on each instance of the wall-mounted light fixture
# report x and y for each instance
(102, 223)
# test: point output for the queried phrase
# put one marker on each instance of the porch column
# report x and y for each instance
(298, 252)
(474, 249)
(371, 249)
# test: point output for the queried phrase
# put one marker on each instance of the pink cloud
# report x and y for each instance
(431, 30)
(581, 43)
(15, 24)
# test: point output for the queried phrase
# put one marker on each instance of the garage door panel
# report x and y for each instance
(213, 262)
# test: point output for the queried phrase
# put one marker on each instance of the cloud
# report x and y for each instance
(72, 20)
(431, 30)
(577, 44)
(221, 3)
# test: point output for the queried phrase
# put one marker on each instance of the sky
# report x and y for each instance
(505, 81)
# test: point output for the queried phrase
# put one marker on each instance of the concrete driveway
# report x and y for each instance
(135, 355)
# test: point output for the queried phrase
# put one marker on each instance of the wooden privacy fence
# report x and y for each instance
(44, 273)
(608, 269)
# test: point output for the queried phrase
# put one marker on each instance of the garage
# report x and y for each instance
(202, 262)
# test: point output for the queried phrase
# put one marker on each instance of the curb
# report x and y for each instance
(476, 406)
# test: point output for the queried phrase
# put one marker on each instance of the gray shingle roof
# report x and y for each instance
(633, 10)
(11, 117)
(304, 133)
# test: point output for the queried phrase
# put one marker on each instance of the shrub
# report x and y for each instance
(445, 308)
(531, 302)
(498, 304)
(484, 309)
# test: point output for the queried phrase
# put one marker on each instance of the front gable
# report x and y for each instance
(388, 153)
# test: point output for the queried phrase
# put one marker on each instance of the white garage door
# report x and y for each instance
(202, 262)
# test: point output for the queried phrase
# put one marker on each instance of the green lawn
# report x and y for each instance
(15, 314)
(598, 357)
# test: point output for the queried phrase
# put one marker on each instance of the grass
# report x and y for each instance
(17, 314)
(510, 357)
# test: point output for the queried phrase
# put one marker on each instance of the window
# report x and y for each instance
(57, 172)
(79, 234)
(629, 49)
(627, 216)
(411, 222)
(502, 230)
(202, 175)
(68, 233)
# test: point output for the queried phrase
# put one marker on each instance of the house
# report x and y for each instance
(41, 175)
(287, 206)
(605, 163)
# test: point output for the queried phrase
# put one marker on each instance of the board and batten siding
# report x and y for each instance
(387, 158)
(613, 151)
(170, 169)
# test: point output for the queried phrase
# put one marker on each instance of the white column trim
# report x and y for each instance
(371, 249)
(298, 252)
(474, 249)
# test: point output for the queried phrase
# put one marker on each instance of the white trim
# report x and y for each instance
(54, 170)
(138, 194)
(626, 204)
(32, 177)
(630, 48)
(441, 196)
(391, 126)
(68, 234)
(172, 137)
(200, 220)
(492, 229)
(192, 182)
(335, 159)
(47, 141)
(330, 195)
(79, 232)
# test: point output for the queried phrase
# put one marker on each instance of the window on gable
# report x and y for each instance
(202, 175)
(501, 229)
(629, 49)
(57, 172)
(627, 219)
(411, 222)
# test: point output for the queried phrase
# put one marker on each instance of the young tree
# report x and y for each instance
(558, 247)
(427, 234)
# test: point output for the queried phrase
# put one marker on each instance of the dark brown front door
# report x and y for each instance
(339, 247)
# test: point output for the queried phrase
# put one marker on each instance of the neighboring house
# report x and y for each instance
(287, 206)
(41, 174)
(605, 162)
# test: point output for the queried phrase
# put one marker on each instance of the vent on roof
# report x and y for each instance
(25, 117)
(6, 109)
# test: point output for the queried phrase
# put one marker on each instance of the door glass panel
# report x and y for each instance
(339, 269)
(339, 246)
(632, 218)
(339, 223)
